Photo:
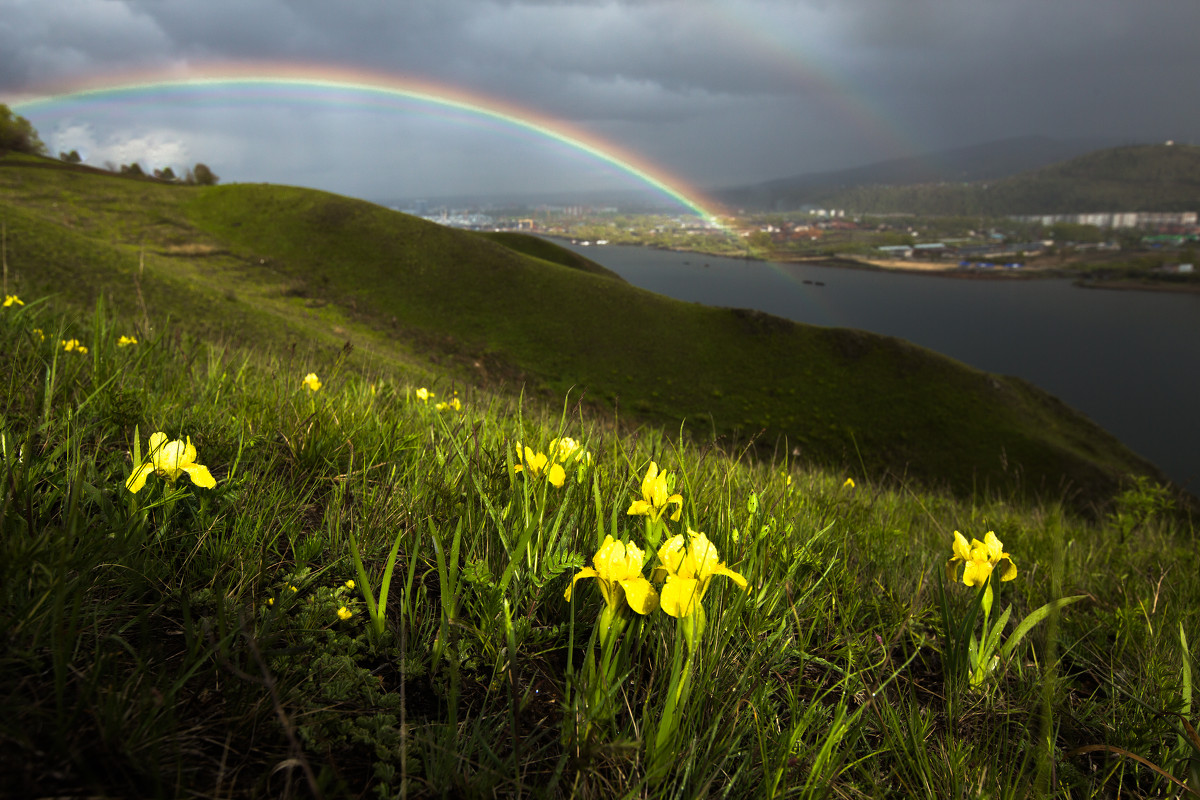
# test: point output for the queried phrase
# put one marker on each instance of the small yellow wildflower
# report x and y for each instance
(654, 496)
(688, 567)
(617, 567)
(536, 464)
(169, 459)
(344, 613)
(125, 341)
(41, 337)
(293, 588)
(70, 345)
(350, 584)
(849, 484)
(567, 449)
(10, 299)
(311, 382)
(980, 559)
(452, 403)
(424, 394)
(270, 601)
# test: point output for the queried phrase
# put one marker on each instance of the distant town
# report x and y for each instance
(1146, 242)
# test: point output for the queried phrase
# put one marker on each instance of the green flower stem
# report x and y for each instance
(602, 677)
(654, 534)
(693, 629)
(662, 749)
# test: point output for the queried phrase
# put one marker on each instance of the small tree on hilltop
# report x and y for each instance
(18, 135)
(72, 157)
(167, 174)
(201, 175)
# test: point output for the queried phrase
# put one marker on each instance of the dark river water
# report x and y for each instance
(1129, 360)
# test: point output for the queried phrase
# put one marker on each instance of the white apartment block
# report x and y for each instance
(1117, 219)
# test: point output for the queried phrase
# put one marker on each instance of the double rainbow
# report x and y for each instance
(227, 83)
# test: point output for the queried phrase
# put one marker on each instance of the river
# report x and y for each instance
(1129, 360)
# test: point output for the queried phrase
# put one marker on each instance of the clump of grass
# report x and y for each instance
(233, 640)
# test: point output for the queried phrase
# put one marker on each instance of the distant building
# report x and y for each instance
(931, 250)
(1117, 219)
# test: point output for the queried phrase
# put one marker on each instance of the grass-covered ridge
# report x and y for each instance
(270, 265)
(221, 642)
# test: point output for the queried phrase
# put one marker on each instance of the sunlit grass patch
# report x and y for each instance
(372, 593)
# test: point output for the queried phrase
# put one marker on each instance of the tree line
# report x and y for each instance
(17, 135)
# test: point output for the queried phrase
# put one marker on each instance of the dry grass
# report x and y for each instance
(192, 250)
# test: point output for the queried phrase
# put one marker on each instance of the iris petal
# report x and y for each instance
(199, 475)
(138, 479)
(680, 596)
(639, 507)
(977, 572)
(586, 572)
(962, 548)
(640, 595)
(1010, 572)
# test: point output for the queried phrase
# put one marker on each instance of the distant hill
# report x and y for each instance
(1136, 178)
(982, 162)
(273, 266)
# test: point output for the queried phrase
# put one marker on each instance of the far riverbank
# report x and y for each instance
(1080, 276)
(1080, 273)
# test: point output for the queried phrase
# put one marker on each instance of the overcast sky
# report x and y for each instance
(713, 92)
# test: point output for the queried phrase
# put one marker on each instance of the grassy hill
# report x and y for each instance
(1134, 178)
(342, 590)
(983, 162)
(272, 265)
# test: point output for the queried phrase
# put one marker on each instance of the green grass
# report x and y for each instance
(184, 641)
(270, 266)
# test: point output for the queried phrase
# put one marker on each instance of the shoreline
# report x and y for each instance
(1081, 278)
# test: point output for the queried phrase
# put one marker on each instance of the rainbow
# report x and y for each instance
(333, 86)
(752, 28)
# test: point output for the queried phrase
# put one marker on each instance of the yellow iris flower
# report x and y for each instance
(452, 403)
(688, 566)
(567, 449)
(311, 382)
(424, 394)
(536, 464)
(11, 299)
(617, 567)
(654, 496)
(170, 459)
(980, 559)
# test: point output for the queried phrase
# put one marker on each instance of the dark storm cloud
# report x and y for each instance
(41, 41)
(718, 91)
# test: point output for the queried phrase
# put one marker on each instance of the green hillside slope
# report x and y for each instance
(256, 262)
(548, 251)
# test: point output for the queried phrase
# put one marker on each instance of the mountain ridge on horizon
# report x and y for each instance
(993, 160)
